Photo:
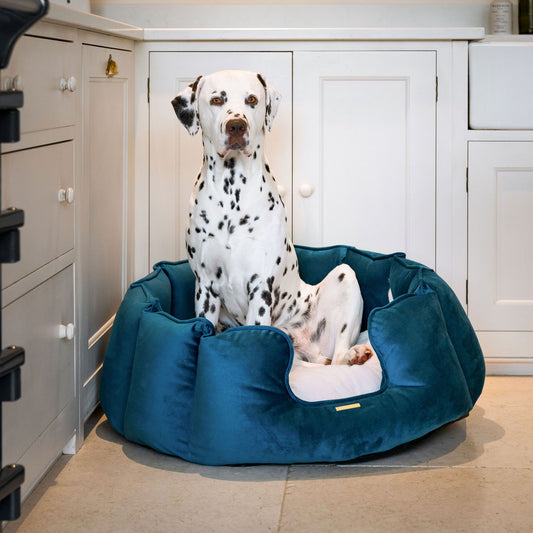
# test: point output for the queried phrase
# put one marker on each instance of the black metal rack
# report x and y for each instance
(16, 16)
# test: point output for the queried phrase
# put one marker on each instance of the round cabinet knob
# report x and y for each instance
(17, 83)
(66, 332)
(68, 84)
(70, 195)
(282, 191)
(72, 84)
(306, 190)
(65, 195)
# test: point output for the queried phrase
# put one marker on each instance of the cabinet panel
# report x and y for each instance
(48, 378)
(104, 205)
(32, 180)
(39, 65)
(364, 145)
(175, 157)
(500, 255)
(105, 174)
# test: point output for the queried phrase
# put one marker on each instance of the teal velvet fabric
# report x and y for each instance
(168, 382)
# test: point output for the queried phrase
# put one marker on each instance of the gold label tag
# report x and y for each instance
(345, 407)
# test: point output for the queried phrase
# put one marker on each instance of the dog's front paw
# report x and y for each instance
(359, 354)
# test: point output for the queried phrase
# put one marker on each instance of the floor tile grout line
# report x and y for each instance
(285, 488)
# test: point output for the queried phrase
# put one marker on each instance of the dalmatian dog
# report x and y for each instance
(238, 246)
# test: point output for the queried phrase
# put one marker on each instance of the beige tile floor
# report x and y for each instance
(475, 475)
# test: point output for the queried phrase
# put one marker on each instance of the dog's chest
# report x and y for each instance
(236, 222)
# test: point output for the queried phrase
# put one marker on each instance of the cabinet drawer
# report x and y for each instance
(31, 181)
(33, 322)
(37, 67)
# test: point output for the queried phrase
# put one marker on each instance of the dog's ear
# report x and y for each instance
(273, 99)
(186, 106)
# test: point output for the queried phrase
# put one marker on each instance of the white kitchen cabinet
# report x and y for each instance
(47, 71)
(40, 177)
(44, 419)
(364, 150)
(104, 209)
(500, 250)
(175, 157)
(69, 173)
(41, 181)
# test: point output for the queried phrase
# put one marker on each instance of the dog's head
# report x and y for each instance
(231, 106)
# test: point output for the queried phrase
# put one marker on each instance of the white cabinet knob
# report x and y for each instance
(68, 84)
(65, 195)
(306, 190)
(66, 332)
(17, 83)
(70, 195)
(282, 191)
(72, 84)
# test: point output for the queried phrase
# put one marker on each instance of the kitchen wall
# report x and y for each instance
(296, 13)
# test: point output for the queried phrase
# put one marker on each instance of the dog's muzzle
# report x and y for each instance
(236, 130)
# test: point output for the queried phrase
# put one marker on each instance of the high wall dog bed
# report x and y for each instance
(169, 383)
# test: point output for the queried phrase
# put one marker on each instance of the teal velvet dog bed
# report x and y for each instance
(170, 383)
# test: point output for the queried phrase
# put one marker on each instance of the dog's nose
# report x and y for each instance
(236, 127)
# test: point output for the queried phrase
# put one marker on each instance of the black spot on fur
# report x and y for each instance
(344, 327)
(194, 87)
(270, 282)
(341, 277)
(261, 80)
(319, 330)
(306, 315)
(184, 111)
(267, 297)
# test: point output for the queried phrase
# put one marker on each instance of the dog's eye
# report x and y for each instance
(216, 100)
(252, 100)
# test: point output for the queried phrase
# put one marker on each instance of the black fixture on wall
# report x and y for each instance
(16, 16)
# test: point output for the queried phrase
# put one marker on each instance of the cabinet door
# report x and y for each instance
(175, 157)
(104, 204)
(500, 249)
(37, 67)
(42, 421)
(364, 150)
(33, 180)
